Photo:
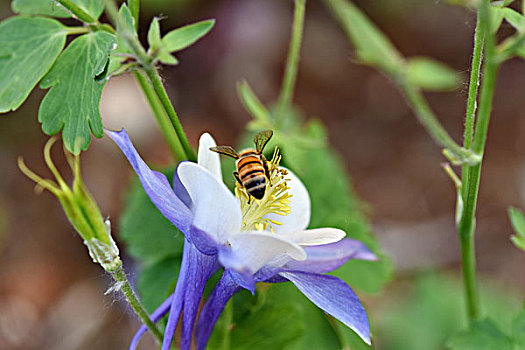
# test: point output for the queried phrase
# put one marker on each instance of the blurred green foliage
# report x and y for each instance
(518, 223)
(429, 311)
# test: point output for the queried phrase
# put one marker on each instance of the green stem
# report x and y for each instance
(76, 30)
(156, 82)
(470, 117)
(134, 8)
(159, 89)
(292, 63)
(77, 11)
(467, 223)
(431, 123)
(336, 326)
(228, 320)
(477, 54)
(120, 277)
(162, 118)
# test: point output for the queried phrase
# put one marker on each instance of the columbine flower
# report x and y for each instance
(253, 240)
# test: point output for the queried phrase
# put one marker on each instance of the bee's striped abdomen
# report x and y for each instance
(252, 175)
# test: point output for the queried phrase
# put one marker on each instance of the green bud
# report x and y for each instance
(80, 208)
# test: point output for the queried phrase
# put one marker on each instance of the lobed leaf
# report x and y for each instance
(183, 37)
(430, 74)
(28, 48)
(53, 8)
(39, 7)
(71, 105)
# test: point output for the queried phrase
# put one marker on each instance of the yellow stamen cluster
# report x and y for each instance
(276, 199)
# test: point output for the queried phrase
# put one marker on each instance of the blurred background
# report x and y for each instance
(52, 295)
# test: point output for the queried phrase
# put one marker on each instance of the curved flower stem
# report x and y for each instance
(162, 118)
(466, 225)
(120, 277)
(431, 123)
(159, 89)
(292, 63)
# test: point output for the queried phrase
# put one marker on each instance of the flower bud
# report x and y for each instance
(80, 208)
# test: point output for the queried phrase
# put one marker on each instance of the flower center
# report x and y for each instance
(275, 199)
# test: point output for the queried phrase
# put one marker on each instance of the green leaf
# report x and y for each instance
(125, 29)
(167, 58)
(348, 337)
(518, 223)
(39, 7)
(72, 102)
(183, 37)
(514, 18)
(430, 74)
(483, 335)
(53, 8)
(149, 236)
(372, 46)
(156, 282)
(518, 220)
(496, 17)
(28, 48)
(422, 313)
(154, 40)
(518, 329)
(269, 320)
(252, 103)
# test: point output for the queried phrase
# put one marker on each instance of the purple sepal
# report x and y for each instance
(202, 241)
(328, 257)
(334, 297)
(180, 190)
(245, 280)
(213, 307)
(155, 317)
(196, 269)
(155, 184)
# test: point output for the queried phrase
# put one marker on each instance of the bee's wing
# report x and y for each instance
(261, 139)
(226, 150)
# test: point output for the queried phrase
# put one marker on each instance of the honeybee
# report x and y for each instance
(252, 168)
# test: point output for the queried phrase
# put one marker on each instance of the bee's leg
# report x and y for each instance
(266, 170)
(237, 177)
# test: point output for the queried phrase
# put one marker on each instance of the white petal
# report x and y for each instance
(208, 159)
(299, 216)
(315, 236)
(216, 210)
(251, 250)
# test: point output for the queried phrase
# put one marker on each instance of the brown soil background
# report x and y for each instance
(51, 294)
